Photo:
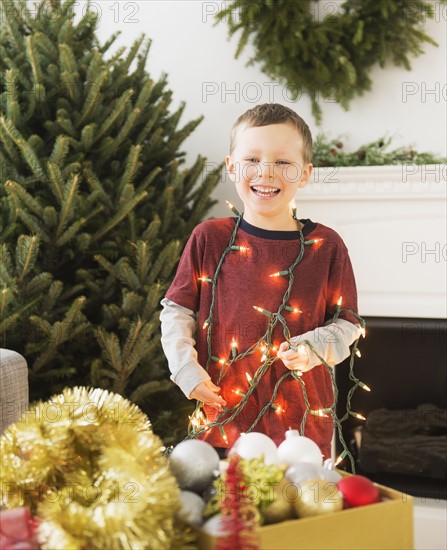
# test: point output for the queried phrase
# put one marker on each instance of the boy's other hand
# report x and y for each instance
(294, 360)
(207, 392)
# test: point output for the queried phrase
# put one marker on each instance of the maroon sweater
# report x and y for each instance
(323, 275)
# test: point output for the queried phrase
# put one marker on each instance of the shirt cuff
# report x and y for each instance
(189, 376)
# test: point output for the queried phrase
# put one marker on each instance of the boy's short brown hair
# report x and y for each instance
(273, 113)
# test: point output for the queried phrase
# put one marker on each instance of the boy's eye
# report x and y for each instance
(252, 159)
(283, 162)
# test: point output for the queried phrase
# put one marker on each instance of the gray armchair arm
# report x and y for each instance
(14, 394)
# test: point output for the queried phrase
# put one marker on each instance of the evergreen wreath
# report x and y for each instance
(329, 57)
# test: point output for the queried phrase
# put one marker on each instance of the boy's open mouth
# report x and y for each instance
(265, 192)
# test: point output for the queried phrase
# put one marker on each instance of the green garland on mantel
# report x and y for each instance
(329, 55)
(327, 152)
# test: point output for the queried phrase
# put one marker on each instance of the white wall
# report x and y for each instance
(194, 53)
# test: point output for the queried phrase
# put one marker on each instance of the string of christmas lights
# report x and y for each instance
(265, 345)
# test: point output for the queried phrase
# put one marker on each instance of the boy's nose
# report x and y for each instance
(268, 171)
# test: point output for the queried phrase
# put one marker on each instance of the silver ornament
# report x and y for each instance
(193, 464)
(191, 510)
(299, 473)
(330, 475)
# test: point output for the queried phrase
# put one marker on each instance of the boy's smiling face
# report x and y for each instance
(267, 168)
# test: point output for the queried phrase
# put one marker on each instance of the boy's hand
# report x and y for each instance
(207, 392)
(294, 360)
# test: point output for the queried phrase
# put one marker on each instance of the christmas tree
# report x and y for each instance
(95, 204)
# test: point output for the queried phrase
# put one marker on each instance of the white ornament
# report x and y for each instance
(214, 526)
(192, 507)
(299, 473)
(297, 448)
(255, 445)
(330, 475)
(193, 464)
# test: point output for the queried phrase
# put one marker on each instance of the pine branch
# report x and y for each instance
(40, 284)
(144, 391)
(96, 82)
(26, 254)
(116, 112)
(27, 152)
(12, 99)
(33, 58)
(24, 197)
(119, 216)
(166, 259)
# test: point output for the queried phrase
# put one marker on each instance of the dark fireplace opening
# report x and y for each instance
(403, 442)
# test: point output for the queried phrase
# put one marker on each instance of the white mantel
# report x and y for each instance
(394, 223)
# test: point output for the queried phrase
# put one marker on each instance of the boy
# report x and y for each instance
(249, 288)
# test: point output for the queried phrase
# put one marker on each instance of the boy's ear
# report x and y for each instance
(305, 175)
(230, 167)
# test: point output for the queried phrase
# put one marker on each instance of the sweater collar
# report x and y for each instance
(308, 227)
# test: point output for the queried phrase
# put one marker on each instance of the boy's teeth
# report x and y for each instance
(265, 191)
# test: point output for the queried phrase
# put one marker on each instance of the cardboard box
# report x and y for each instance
(387, 525)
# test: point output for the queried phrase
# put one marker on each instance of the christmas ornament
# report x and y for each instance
(296, 448)
(255, 445)
(358, 490)
(257, 485)
(281, 507)
(210, 491)
(214, 526)
(192, 507)
(299, 473)
(18, 529)
(88, 465)
(194, 464)
(318, 496)
(330, 475)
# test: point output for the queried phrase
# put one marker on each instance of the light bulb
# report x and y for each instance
(278, 408)
(279, 273)
(232, 208)
(261, 310)
(340, 458)
(233, 348)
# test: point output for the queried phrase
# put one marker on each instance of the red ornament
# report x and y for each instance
(17, 530)
(358, 491)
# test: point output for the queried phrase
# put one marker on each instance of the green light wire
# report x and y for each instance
(229, 414)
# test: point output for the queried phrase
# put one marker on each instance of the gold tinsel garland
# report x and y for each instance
(90, 468)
